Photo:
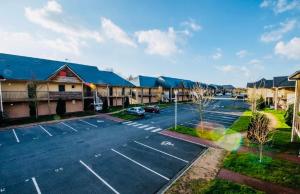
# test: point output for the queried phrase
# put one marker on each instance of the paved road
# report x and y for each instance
(97, 155)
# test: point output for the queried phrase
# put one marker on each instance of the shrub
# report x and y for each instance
(105, 105)
(61, 107)
(260, 103)
(288, 116)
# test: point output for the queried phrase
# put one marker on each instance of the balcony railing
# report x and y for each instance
(17, 96)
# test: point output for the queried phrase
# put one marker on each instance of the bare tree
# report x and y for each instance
(258, 131)
(201, 96)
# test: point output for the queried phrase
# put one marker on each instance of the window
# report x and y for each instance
(73, 86)
(61, 88)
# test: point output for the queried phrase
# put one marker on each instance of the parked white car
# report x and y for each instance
(136, 111)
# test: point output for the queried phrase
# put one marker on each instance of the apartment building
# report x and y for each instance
(284, 92)
(262, 88)
(171, 85)
(296, 118)
(33, 87)
(147, 90)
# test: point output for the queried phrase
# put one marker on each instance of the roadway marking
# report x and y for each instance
(127, 122)
(144, 126)
(88, 123)
(101, 179)
(156, 130)
(38, 191)
(166, 178)
(15, 134)
(136, 125)
(149, 128)
(45, 130)
(131, 123)
(69, 126)
(162, 152)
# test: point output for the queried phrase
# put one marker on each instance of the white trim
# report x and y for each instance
(152, 148)
(65, 65)
(101, 179)
(38, 191)
(166, 178)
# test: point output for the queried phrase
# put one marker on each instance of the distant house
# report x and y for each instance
(296, 118)
(227, 88)
(147, 90)
(284, 92)
(261, 88)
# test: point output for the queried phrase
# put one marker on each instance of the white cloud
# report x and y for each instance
(218, 54)
(242, 53)
(159, 42)
(50, 17)
(291, 49)
(256, 64)
(240, 70)
(191, 24)
(280, 6)
(31, 45)
(277, 34)
(114, 32)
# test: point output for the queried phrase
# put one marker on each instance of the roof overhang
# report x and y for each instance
(294, 76)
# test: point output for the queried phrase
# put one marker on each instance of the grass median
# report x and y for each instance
(272, 170)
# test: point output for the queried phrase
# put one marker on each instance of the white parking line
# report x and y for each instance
(69, 126)
(88, 123)
(162, 152)
(101, 179)
(127, 122)
(38, 191)
(15, 134)
(136, 125)
(45, 130)
(131, 123)
(156, 130)
(141, 165)
(149, 128)
(144, 126)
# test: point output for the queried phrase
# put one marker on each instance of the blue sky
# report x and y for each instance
(212, 41)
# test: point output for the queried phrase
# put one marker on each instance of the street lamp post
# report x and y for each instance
(175, 92)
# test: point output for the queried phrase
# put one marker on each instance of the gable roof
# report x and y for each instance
(263, 83)
(28, 68)
(282, 82)
(113, 79)
(169, 82)
(145, 81)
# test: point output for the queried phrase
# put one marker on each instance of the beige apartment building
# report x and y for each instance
(33, 87)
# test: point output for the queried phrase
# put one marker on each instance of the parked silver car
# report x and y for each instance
(136, 111)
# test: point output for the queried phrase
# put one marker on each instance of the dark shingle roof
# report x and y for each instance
(169, 82)
(263, 83)
(283, 81)
(145, 81)
(228, 87)
(28, 68)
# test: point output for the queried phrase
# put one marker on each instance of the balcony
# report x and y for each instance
(23, 96)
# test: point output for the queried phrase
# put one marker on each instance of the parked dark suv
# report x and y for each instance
(152, 108)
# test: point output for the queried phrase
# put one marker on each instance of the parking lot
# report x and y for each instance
(91, 155)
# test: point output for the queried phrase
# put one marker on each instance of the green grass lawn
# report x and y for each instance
(279, 115)
(125, 116)
(219, 186)
(272, 170)
(212, 135)
(241, 124)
